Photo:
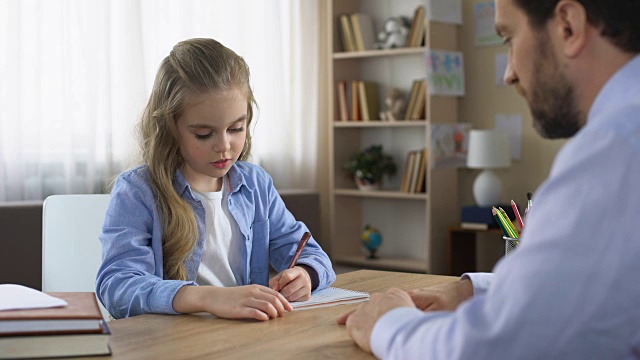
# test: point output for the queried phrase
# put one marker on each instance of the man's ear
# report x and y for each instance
(571, 26)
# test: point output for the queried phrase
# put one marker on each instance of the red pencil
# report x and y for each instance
(515, 210)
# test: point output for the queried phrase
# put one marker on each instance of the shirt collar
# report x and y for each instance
(236, 179)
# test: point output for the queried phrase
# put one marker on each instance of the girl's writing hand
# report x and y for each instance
(241, 302)
(294, 284)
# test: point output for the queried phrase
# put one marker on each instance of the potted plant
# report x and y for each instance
(369, 166)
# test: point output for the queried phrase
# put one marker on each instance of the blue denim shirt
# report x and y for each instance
(131, 281)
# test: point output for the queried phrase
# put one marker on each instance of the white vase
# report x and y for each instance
(367, 186)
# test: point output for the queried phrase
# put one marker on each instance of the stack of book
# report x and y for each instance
(77, 329)
(415, 168)
(358, 101)
(417, 106)
(356, 32)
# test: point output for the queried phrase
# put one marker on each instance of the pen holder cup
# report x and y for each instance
(510, 244)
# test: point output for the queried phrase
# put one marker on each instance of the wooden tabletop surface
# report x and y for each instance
(309, 334)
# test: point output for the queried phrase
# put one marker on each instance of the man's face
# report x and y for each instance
(536, 73)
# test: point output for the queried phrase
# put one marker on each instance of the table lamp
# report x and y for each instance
(488, 149)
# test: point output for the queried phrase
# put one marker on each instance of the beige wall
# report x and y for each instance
(484, 99)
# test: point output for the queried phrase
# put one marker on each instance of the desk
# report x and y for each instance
(309, 334)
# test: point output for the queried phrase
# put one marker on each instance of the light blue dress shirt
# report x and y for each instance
(131, 279)
(571, 290)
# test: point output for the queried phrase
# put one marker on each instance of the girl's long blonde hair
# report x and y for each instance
(194, 67)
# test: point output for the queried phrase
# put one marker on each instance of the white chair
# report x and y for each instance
(71, 249)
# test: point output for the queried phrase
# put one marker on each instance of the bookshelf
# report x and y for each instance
(414, 226)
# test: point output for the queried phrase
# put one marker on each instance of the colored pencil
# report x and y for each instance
(517, 212)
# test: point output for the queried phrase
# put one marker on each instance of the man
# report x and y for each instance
(571, 290)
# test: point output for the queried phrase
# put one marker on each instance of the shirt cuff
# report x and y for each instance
(481, 281)
(313, 275)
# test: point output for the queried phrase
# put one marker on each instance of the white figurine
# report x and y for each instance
(394, 34)
(395, 104)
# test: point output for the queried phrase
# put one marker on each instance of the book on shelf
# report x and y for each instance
(346, 33)
(415, 166)
(330, 296)
(419, 106)
(406, 175)
(416, 34)
(421, 187)
(412, 99)
(356, 114)
(414, 175)
(343, 110)
(55, 346)
(369, 100)
(363, 32)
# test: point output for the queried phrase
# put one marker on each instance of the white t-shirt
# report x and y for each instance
(222, 259)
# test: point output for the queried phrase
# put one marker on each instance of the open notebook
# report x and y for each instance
(331, 296)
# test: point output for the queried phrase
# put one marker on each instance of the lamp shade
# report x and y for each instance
(488, 149)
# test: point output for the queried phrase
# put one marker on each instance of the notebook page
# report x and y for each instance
(329, 297)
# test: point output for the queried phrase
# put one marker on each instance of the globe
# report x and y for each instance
(371, 240)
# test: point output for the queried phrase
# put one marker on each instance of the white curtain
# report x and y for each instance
(76, 74)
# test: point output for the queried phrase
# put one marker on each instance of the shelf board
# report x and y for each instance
(378, 53)
(383, 263)
(370, 124)
(381, 194)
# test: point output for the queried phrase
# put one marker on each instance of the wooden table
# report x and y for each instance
(309, 334)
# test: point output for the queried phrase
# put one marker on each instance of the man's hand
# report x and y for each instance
(360, 321)
(442, 297)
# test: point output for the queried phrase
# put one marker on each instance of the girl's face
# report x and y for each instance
(212, 132)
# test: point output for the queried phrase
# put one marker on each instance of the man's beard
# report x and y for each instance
(552, 101)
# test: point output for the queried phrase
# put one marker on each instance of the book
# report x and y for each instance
(405, 175)
(417, 160)
(420, 101)
(406, 181)
(61, 345)
(416, 34)
(415, 87)
(356, 113)
(81, 315)
(343, 110)
(363, 32)
(369, 100)
(330, 296)
(421, 188)
(346, 32)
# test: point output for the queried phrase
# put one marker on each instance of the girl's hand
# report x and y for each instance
(294, 284)
(241, 302)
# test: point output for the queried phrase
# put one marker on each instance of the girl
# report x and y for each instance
(195, 213)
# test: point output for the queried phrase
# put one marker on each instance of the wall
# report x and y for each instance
(483, 101)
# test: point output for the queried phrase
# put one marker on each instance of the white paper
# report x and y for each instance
(484, 15)
(501, 67)
(18, 297)
(329, 297)
(447, 11)
(445, 72)
(512, 124)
